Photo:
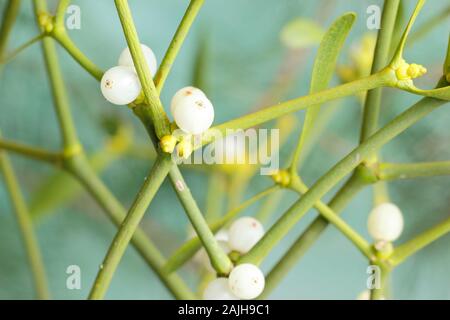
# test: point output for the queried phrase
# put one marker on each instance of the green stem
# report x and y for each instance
(79, 166)
(31, 152)
(381, 292)
(380, 193)
(26, 228)
(82, 171)
(407, 249)
(310, 235)
(176, 43)
(8, 58)
(9, 18)
(219, 259)
(129, 226)
(61, 100)
(332, 217)
(394, 171)
(61, 36)
(335, 174)
(380, 79)
(380, 60)
(61, 12)
(158, 116)
(188, 249)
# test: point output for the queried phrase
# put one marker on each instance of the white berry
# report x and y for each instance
(218, 290)
(184, 92)
(246, 281)
(120, 85)
(385, 222)
(126, 60)
(192, 111)
(244, 233)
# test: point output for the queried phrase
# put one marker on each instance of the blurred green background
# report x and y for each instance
(244, 54)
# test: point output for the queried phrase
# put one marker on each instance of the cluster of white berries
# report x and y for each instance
(246, 281)
(120, 85)
(192, 111)
(385, 223)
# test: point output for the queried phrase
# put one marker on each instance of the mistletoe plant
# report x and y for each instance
(231, 247)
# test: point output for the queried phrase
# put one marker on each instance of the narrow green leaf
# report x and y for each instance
(447, 62)
(398, 56)
(323, 70)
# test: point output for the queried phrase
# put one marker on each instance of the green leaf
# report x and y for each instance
(447, 62)
(301, 33)
(323, 70)
(398, 56)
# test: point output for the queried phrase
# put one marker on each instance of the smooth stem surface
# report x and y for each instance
(310, 235)
(61, 12)
(394, 171)
(334, 219)
(219, 259)
(380, 60)
(410, 247)
(60, 98)
(10, 56)
(31, 152)
(129, 226)
(8, 19)
(61, 36)
(159, 118)
(335, 174)
(176, 43)
(380, 79)
(379, 293)
(26, 228)
(82, 171)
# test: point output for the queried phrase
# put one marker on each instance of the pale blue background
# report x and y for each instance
(245, 52)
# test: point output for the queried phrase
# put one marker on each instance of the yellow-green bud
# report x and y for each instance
(282, 177)
(416, 70)
(168, 143)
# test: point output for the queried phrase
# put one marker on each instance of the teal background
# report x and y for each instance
(244, 53)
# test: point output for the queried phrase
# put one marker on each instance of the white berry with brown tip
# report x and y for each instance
(120, 85)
